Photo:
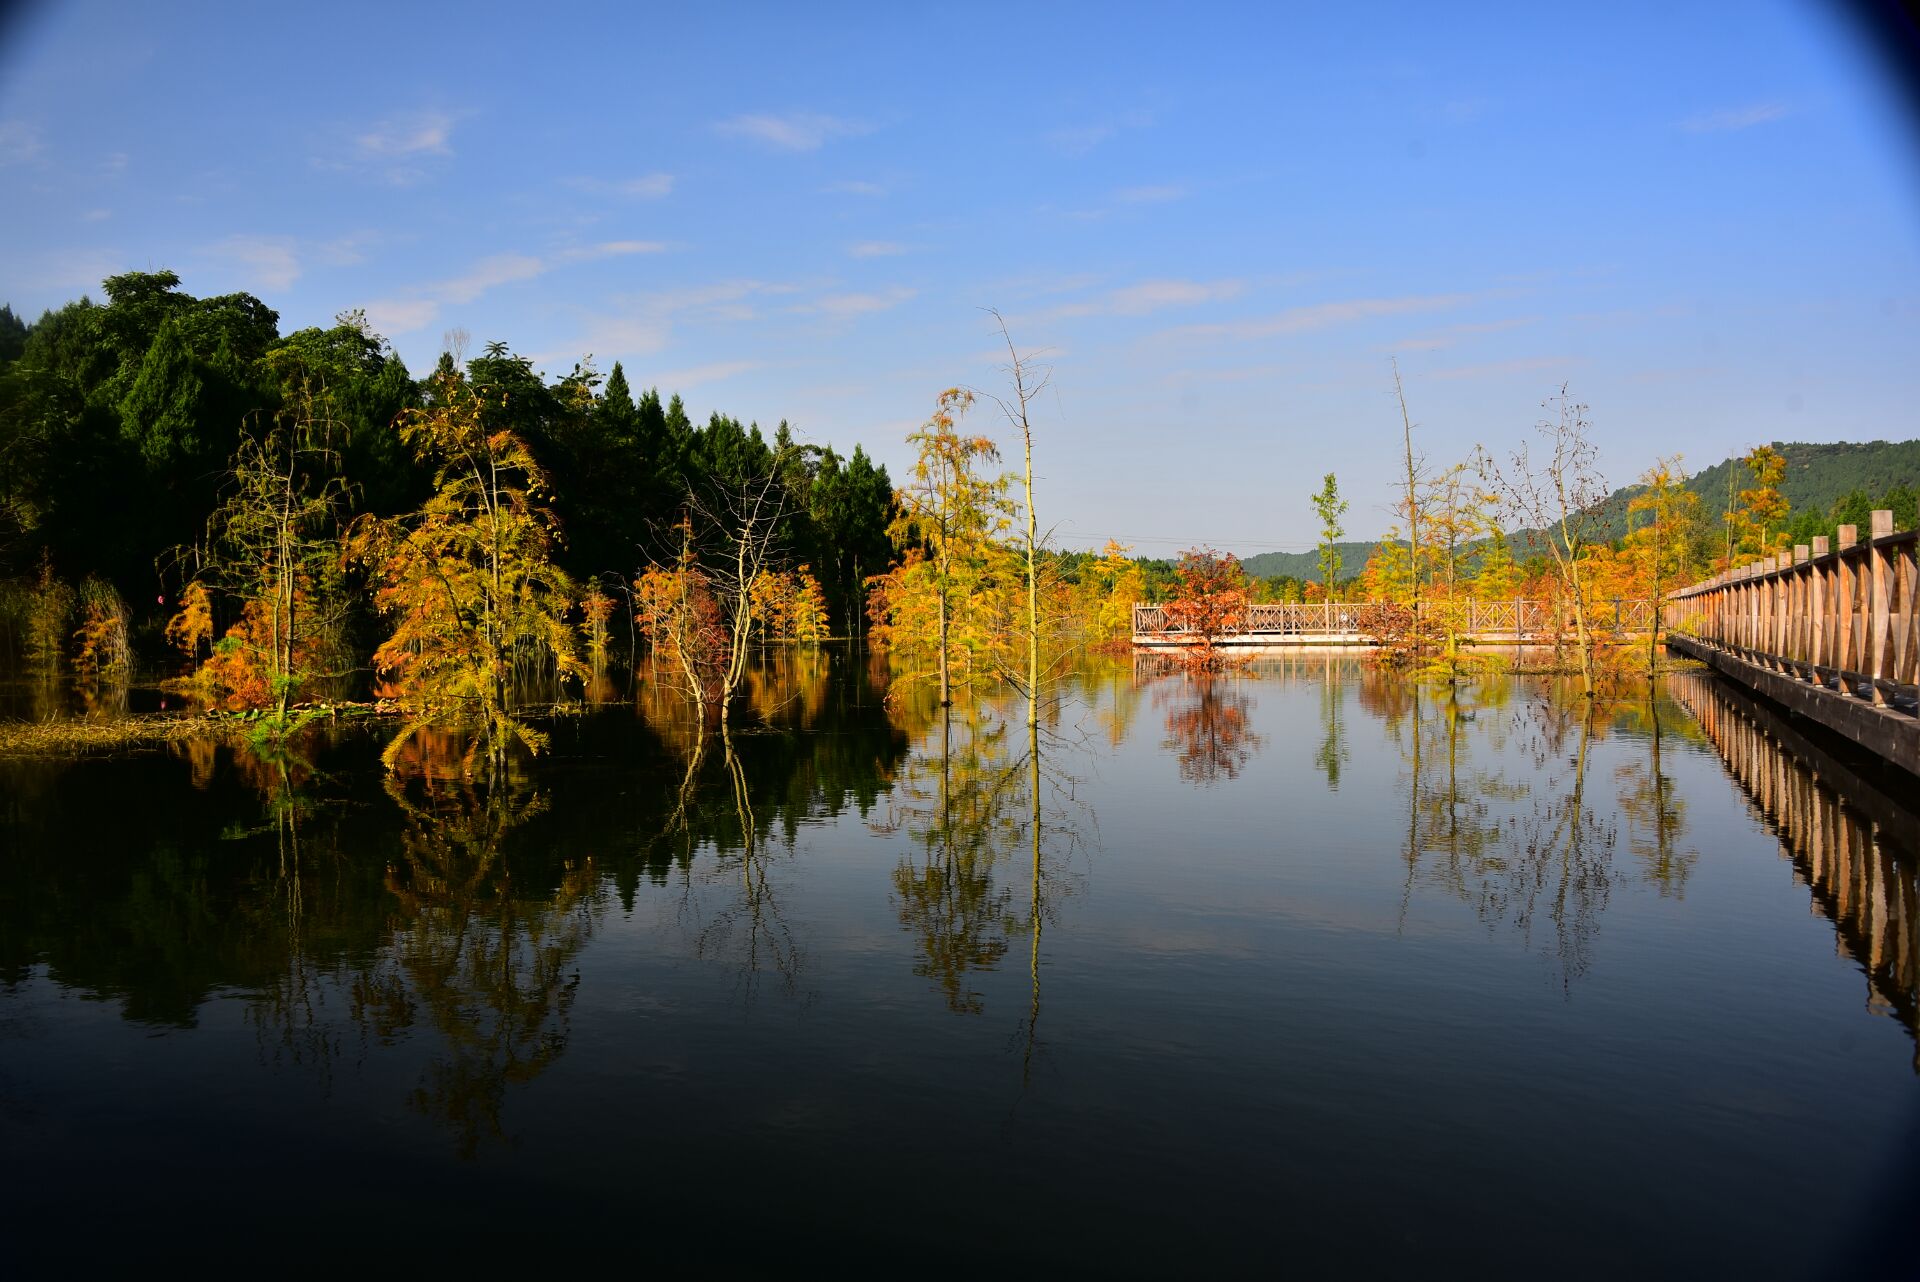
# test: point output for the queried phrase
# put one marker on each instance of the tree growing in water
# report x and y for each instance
(1209, 603)
(469, 582)
(952, 510)
(1658, 549)
(1561, 497)
(273, 551)
(1330, 507)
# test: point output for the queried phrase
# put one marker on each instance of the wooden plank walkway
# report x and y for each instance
(1830, 633)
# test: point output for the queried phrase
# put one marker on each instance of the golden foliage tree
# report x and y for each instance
(953, 511)
(468, 582)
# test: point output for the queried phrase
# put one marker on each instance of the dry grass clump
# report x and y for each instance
(65, 738)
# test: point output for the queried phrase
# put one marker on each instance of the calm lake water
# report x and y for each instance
(1304, 969)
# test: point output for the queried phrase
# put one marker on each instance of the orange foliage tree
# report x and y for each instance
(1209, 601)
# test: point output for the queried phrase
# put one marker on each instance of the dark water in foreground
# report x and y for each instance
(1314, 972)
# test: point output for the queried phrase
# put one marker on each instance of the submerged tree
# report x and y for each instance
(477, 603)
(272, 550)
(1561, 497)
(1329, 507)
(1659, 548)
(1209, 602)
(952, 510)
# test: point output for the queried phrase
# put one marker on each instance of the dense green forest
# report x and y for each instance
(119, 421)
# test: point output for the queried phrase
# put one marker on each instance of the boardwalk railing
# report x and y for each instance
(1843, 619)
(1505, 620)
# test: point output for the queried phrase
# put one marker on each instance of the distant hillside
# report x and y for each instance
(1817, 476)
(1306, 565)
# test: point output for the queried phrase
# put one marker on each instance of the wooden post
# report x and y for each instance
(1879, 585)
(1847, 650)
(1820, 642)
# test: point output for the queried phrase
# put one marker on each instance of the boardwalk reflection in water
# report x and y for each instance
(1851, 843)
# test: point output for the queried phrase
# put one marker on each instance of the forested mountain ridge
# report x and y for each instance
(1818, 477)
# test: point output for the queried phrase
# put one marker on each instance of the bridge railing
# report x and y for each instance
(1843, 618)
(1518, 619)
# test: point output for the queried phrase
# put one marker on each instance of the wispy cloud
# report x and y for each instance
(390, 316)
(19, 142)
(847, 306)
(1453, 334)
(799, 131)
(875, 249)
(654, 186)
(72, 269)
(489, 273)
(399, 148)
(1146, 297)
(701, 375)
(422, 133)
(644, 323)
(1155, 195)
(853, 187)
(1316, 316)
(1078, 140)
(1716, 122)
(1499, 369)
(265, 262)
(96, 215)
(420, 309)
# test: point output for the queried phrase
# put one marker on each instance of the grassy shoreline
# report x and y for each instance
(68, 738)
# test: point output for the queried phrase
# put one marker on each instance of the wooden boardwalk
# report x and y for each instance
(1337, 623)
(1829, 633)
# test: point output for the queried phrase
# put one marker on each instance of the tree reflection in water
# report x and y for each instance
(985, 786)
(1655, 812)
(1209, 725)
(487, 961)
(1534, 854)
(957, 804)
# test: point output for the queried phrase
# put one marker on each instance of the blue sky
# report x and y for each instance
(1221, 222)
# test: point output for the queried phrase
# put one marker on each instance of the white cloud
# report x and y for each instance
(81, 269)
(1146, 297)
(403, 315)
(875, 249)
(266, 262)
(700, 375)
(19, 142)
(645, 187)
(799, 131)
(1497, 369)
(612, 249)
(392, 316)
(96, 215)
(1154, 195)
(424, 133)
(1735, 118)
(497, 269)
(853, 187)
(1078, 140)
(1301, 320)
(847, 306)
(1452, 334)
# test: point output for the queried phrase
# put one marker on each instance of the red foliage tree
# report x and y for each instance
(1209, 603)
